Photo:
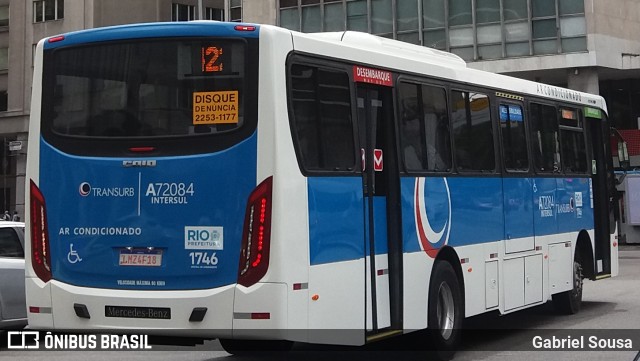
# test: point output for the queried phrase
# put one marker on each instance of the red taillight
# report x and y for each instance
(40, 255)
(56, 39)
(256, 235)
(245, 28)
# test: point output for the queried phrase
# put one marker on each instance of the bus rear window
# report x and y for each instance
(148, 88)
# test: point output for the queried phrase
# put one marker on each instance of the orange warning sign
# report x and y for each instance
(219, 107)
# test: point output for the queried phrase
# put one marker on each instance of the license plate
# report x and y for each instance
(140, 257)
(161, 313)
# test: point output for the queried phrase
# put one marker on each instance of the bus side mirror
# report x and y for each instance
(623, 155)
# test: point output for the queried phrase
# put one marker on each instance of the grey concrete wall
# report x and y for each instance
(259, 11)
(614, 28)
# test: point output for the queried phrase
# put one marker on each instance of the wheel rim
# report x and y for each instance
(446, 312)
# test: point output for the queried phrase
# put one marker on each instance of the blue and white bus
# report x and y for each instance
(219, 180)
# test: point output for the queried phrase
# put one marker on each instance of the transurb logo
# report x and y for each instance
(432, 212)
(84, 189)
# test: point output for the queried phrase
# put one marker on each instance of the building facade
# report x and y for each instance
(587, 45)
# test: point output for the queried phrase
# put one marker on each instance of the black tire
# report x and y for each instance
(255, 347)
(445, 310)
(570, 302)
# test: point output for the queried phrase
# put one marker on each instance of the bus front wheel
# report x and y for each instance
(570, 302)
(445, 310)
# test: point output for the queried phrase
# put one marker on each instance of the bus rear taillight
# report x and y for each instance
(256, 235)
(40, 255)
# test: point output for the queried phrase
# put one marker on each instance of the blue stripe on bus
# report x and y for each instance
(480, 212)
(336, 219)
(116, 198)
(153, 30)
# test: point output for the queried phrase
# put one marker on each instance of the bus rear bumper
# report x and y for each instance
(61, 306)
(259, 311)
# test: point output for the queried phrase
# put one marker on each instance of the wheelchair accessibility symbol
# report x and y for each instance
(73, 256)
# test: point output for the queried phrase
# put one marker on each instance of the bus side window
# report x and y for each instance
(424, 127)
(545, 138)
(514, 138)
(321, 122)
(574, 154)
(473, 132)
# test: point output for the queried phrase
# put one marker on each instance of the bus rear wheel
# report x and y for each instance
(252, 347)
(570, 302)
(445, 310)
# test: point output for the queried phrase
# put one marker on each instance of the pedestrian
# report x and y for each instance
(16, 217)
(7, 216)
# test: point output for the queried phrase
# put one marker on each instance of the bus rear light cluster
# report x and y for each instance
(256, 236)
(40, 250)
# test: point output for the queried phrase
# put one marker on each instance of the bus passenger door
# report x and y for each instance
(381, 184)
(602, 196)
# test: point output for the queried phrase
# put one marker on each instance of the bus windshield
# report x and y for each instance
(145, 88)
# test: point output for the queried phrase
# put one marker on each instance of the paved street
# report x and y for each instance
(608, 304)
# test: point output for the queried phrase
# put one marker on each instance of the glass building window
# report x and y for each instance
(434, 21)
(407, 15)
(542, 8)
(290, 19)
(357, 16)
(4, 101)
(311, 22)
(381, 17)
(47, 10)
(471, 29)
(569, 7)
(487, 11)
(4, 58)
(214, 14)
(333, 17)
(235, 10)
(182, 12)
(515, 10)
(433, 14)
(4, 15)
(460, 12)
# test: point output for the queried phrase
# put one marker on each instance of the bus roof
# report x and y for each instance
(154, 30)
(389, 54)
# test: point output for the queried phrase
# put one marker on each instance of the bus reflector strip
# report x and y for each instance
(36, 309)
(382, 272)
(493, 255)
(252, 315)
(300, 286)
(509, 96)
(142, 149)
(538, 248)
(464, 260)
